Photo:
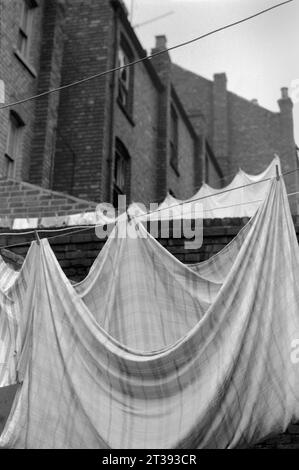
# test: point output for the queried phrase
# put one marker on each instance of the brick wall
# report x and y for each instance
(241, 133)
(90, 117)
(84, 122)
(220, 142)
(139, 131)
(23, 200)
(182, 180)
(196, 93)
(19, 77)
(46, 110)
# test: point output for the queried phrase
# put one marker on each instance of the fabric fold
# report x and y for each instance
(153, 355)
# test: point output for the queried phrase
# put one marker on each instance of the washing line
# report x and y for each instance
(87, 227)
(91, 227)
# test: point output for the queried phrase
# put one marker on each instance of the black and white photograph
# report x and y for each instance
(149, 228)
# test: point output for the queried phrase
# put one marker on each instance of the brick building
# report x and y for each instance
(144, 131)
(120, 133)
(241, 133)
(123, 132)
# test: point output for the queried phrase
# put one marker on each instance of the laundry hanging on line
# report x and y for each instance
(149, 353)
(234, 203)
(241, 198)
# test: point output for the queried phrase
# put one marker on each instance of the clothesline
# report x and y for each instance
(90, 227)
(216, 194)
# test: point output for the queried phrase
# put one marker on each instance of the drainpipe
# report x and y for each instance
(112, 108)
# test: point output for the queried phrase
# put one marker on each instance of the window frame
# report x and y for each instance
(25, 31)
(122, 88)
(14, 131)
(121, 153)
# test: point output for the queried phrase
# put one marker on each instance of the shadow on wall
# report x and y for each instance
(7, 395)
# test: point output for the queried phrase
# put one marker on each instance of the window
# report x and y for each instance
(174, 139)
(121, 172)
(25, 28)
(13, 144)
(125, 79)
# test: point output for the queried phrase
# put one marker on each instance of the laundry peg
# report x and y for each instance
(129, 217)
(277, 173)
(37, 237)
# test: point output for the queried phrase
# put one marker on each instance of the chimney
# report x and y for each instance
(162, 63)
(284, 93)
(286, 105)
(220, 120)
(287, 151)
(161, 42)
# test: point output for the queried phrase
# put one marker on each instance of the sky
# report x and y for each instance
(259, 57)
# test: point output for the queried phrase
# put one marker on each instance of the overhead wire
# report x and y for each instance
(146, 57)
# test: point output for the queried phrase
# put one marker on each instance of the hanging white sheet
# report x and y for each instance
(234, 200)
(152, 354)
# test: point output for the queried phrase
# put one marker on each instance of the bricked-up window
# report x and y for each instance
(121, 172)
(125, 78)
(25, 27)
(13, 145)
(174, 139)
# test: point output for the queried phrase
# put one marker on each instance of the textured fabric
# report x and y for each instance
(8, 327)
(235, 200)
(7, 275)
(13, 322)
(153, 354)
(8, 332)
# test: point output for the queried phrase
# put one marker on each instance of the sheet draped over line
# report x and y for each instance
(147, 352)
(242, 202)
(237, 203)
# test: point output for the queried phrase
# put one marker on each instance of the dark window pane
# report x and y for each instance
(9, 167)
(121, 172)
(124, 79)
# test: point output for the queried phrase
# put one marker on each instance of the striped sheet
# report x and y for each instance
(8, 332)
(8, 327)
(13, 286)
(226, 380)
(7, 275)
